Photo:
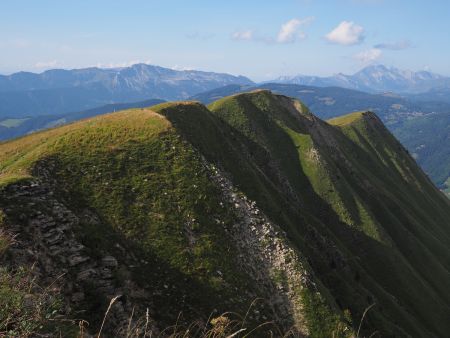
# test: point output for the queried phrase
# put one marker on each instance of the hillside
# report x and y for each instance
(422, 127)
(61, 91)
(440, 94)
(428, 139)
(403, 115)
(184, 208)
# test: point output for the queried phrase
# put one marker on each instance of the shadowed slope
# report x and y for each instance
(362, 184)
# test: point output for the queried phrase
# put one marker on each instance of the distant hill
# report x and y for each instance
(375, 78)
(61, 91)
(440, 94)
(251, 210)
(428, 140)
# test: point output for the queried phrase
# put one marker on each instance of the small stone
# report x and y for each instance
(75, 260)
(109, 261)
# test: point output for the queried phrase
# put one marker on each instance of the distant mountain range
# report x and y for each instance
(61, 91)
(376, 78)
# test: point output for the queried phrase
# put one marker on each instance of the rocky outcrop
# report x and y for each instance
(266, 254)
(45, 237)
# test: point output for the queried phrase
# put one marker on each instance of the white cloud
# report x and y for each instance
(347, 33)
(398, 45)
(368, 56)
(290, 31)
(246, 35)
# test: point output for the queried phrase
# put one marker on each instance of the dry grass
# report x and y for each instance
(346, 119)
(226, 325)
(18, 156)
(26, 308)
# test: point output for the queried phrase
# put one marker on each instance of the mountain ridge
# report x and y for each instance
(63, 78)
(421, 126)
(62, 91)
(375, 78)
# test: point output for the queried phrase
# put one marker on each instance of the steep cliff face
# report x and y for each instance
(251, 202)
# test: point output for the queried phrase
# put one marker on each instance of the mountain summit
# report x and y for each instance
(378, 78)
(253, 202)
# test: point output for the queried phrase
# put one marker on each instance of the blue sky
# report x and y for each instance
(259, 39)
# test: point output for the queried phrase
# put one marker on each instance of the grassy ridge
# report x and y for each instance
(243, 157)
(150, 189)
(412, 213)
(373, 198)
(370, 225)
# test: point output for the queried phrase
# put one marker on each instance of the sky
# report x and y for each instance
(260, 39)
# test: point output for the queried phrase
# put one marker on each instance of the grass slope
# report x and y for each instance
(373, 228)
(378, 205)
(422, 127)
(13, 128)
(149, 188)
